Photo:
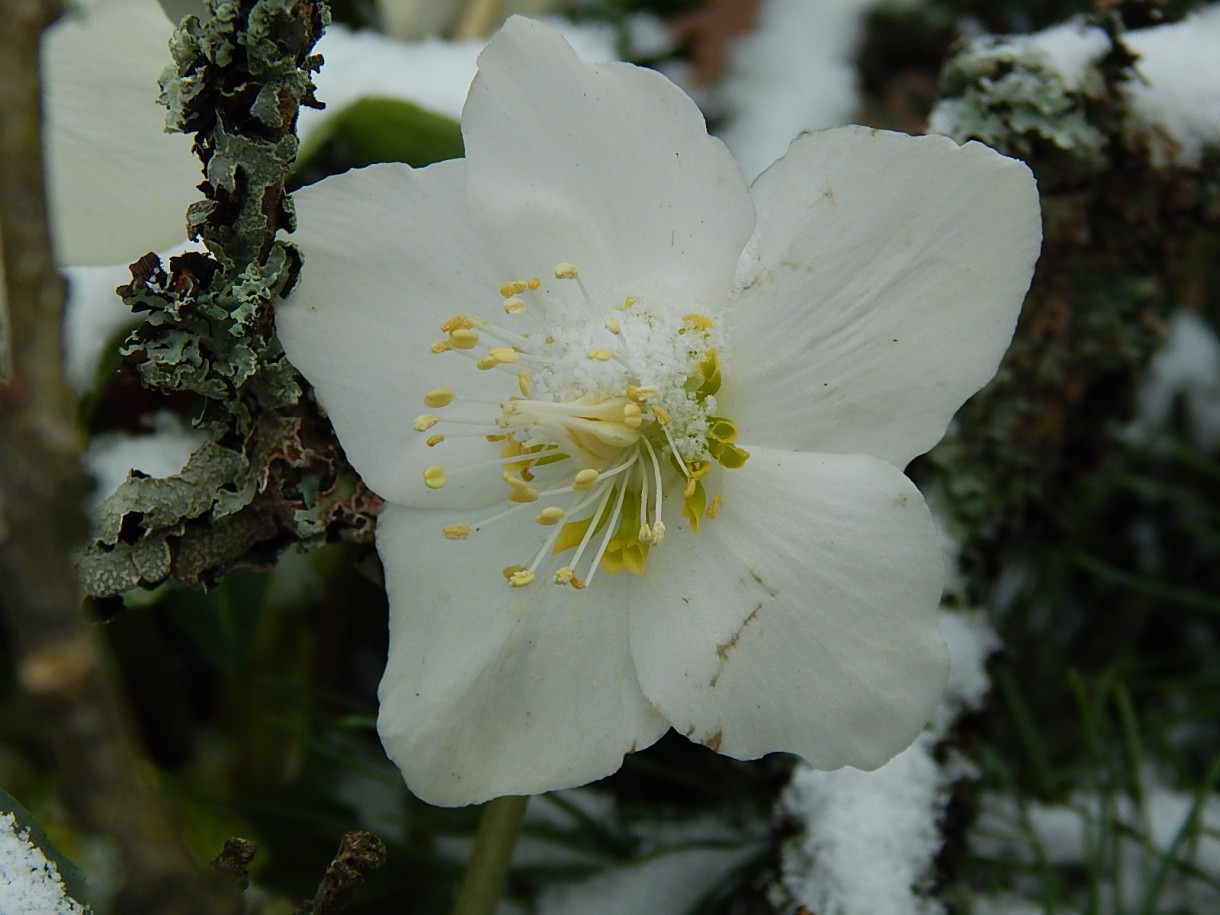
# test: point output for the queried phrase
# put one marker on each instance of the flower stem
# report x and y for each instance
(493, 849)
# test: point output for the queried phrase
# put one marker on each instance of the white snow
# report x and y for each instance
(1186, 367)
(162, 453)
(794, 73)
(29, 883)
(1178, 93)
(1072, 834)
(432, 73)
(870, 838)
(1174, 98)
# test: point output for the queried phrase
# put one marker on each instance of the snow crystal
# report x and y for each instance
(870, 837)
(29, 883)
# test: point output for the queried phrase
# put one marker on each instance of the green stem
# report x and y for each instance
(493, 850)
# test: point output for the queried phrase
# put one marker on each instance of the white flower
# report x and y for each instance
(602, 322)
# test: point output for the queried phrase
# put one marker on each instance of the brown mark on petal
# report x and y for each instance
(771, 592)
(712, 741)
(723, 649)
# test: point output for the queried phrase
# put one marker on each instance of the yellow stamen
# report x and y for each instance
(601, 355)
(713, 508)
(520, 579)
(463, 338)
(632, 415)
(503, 354)
(703, 322)
(613, 325)
(566, 271)
(524, 496)
(514, 305)
(425, 422)
(441, 346)
(534, 283)
(434, 440)
(438, 397)
(551, 515)
(434, 476)
(456, 531)
(661, 414)
(457, 322)
(523, 382)
(515, 287)
(585, 479)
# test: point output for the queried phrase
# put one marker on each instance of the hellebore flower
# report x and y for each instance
(640, 428)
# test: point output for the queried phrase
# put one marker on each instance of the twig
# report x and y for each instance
(59, 662)
(359, 854)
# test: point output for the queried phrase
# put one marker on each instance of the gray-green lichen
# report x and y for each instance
(273, 474)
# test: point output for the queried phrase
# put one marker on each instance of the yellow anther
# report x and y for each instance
(613, 326)
(689, 489)
(534, 283)
(632, 415)
(645, 534)
(457, 322)
(514, 482)
(514, 287)
(487, 362)
(567, 576)
(498, 437)
(523, 382)
(629, 302)
(566, 271)
(658, 532)
(599, 354)
(434, 440)
(514, 305)
(434, 476)
(661, 414)
(521, 578)
(503, 354)
(425, 422)
(585, 479)
(713, 508)
(551, 515)
(456, 531)
(440, 346)
(703, 322)
(438, 397)
(510, 571)
(524, 496)
(463, 338)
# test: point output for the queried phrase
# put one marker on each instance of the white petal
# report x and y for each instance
(388, 256)
(890, 273)
(119, 184)
(491, 690)
(802, 617)
(605, 166)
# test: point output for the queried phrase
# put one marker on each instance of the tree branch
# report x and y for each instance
(60, 664)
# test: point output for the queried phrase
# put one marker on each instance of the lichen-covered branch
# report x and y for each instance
(273, 475)
(1120, 226)
(59, 662)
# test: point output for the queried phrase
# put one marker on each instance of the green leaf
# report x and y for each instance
(387, 130)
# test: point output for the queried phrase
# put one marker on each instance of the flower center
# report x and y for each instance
(612, 415)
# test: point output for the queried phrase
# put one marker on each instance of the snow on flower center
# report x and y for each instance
(611, 413)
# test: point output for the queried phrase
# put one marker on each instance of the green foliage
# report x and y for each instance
(386, 130)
